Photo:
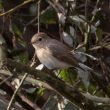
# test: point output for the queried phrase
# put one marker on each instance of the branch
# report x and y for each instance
(97, 99)
(40, 83)
(15, 8)
(15, 92)
(71, 93)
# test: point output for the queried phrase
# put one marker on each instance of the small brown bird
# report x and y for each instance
(54, 54)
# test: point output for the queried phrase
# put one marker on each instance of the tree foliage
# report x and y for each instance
(81, 25)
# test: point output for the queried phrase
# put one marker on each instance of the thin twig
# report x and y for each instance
(35, 19)
(86, 8)
(97, 99)
(29, 79)
(38, 16)
(93, 17)
(15, 92)
(4, 102)
(9, 77)
(15, 8)
(88, 55)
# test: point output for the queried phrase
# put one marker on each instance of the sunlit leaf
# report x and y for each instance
(68, 75)
(40, 92)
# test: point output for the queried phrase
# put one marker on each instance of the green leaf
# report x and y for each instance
(64, 75)
(68, 75)
(40, 92)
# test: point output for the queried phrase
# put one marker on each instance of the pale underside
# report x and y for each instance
(46, 58)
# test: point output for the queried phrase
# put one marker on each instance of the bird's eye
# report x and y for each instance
(40, 39)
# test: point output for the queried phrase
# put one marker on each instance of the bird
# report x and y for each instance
(54, 54)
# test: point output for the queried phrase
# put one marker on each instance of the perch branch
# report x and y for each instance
(57, 84)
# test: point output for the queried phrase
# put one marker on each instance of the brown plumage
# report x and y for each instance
(52, 53)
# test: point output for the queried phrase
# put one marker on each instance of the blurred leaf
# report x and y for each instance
(51, 103)
(93, 29)
(2, 50)
(91, 89)
(97, 23)
(16, 82)
(107, 107)
(33, 9)
(3, 104)
(1, 5)
(48, 17)
(40, 92)
(78, 19)
(63, 74)
(84, 77)
(68, 75)
(61, 18)
(107, 59)
(99, 34)
(15, 30)
(72, 32)
(34, 92)
(30, 90)
(67, 39)
(80, 56)
(23, 57)
(70, 106)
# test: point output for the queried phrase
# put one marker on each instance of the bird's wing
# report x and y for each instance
(62, 52)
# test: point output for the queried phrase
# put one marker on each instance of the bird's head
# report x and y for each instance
(39, 40)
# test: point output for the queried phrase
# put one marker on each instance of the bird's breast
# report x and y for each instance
(42, 54)
(46, 58)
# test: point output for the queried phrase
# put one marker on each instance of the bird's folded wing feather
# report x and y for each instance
(62, 52)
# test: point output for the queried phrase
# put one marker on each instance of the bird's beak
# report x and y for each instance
(30, 43)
